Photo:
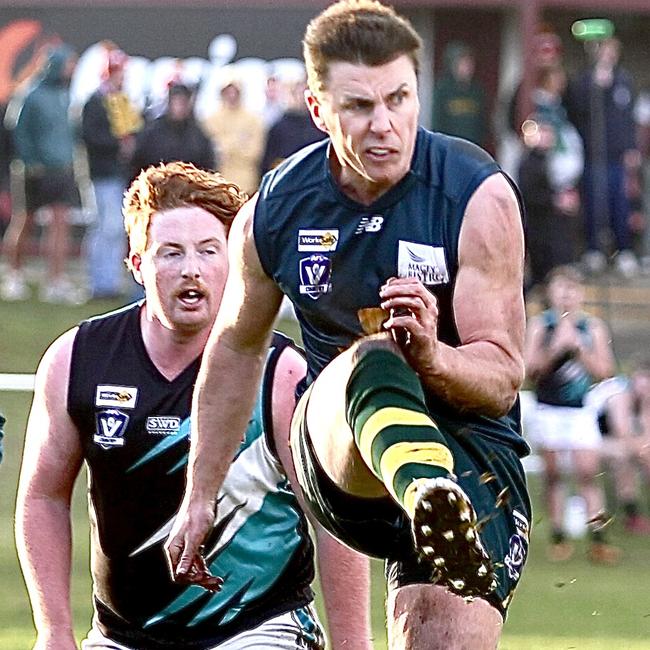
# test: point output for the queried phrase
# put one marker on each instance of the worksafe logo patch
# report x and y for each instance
(123, 397)
(318, 241)
(110, 428)
(421, 261)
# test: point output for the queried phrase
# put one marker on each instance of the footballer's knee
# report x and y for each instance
(383, 341)
(431, 617)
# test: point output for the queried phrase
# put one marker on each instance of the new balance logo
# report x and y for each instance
(369, 224)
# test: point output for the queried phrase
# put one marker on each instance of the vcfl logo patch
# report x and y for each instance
(315, 275)
(111, 425)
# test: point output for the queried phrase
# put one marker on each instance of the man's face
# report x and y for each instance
(179, 107)
(608, 52)
(371, 116)
(184, 268)
(565, 294)
(116, 78)
(465, 68)
(231, 96)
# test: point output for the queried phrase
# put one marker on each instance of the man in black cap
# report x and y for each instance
(175, 135)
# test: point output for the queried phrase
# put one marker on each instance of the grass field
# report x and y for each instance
(558, 607)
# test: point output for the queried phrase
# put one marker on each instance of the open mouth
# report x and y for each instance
(191, 297)
(380, 153)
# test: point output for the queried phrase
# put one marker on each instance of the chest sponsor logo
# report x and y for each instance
(317, 241)
(421, 261)
(370, 224)
(111, 425)
(123, 397)
(315, 276)
(163, 425)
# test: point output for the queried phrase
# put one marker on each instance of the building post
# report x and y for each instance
(529, 19)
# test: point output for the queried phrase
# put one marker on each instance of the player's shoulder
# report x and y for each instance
(55, 362)
(300, 172)
(289, 358)
(447, 150)
(97, 334)
(112, 318)
(594, 323)
(455, 165)
(545, 319)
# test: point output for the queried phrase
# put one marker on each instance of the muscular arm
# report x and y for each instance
(344, 574)
(51, 463)
(226, 387)
(485, 371)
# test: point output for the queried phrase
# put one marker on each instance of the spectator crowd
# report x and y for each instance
(59, 162)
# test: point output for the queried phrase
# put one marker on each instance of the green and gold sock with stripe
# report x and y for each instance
(386, 410)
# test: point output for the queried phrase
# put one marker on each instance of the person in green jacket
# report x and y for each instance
(458, 98)
(42, 176)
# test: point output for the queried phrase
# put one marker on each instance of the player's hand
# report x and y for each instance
(184, 546)
(414, 311)
(565, 337)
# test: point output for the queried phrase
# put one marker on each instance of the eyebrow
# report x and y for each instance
(172, 244)
(350, 96)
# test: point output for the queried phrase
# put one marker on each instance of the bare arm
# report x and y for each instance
(619, 414)
(597, 358)
(225, 390)
(538, 356)
(344, 573)
(51, 462)
(485, 371)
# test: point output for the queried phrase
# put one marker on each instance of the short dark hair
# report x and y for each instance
(179, 89)
(360, 32)
(566, 272)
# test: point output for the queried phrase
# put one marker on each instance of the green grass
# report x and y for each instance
(557, 607)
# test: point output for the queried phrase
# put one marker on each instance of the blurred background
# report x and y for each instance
(558, 92)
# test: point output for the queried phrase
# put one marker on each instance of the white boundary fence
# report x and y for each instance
(16, 382)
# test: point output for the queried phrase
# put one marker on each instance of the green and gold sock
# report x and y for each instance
(386, 410)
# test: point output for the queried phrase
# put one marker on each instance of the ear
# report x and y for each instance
(136, 262)
(315, 111)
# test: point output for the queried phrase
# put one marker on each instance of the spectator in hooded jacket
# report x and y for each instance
(238, 137)
(44, 178)
(458, 98)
